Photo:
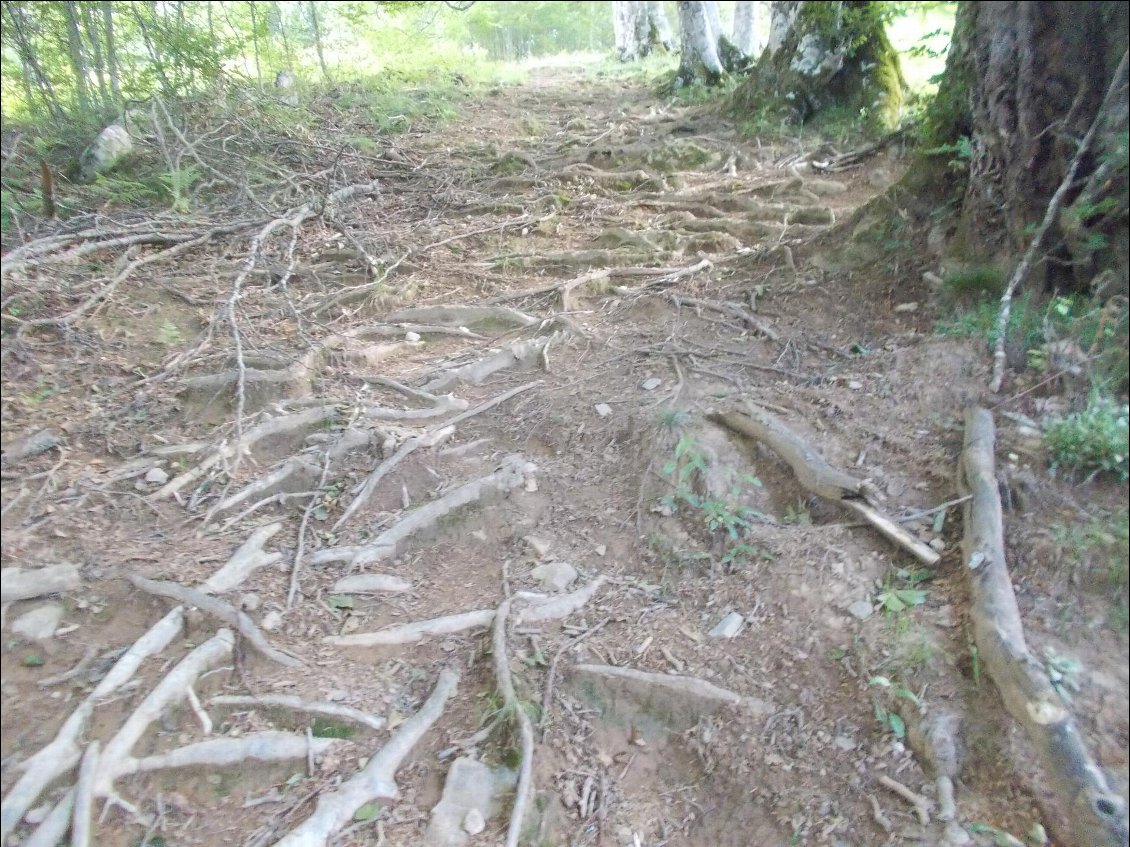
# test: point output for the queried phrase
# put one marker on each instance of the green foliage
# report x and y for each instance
(1091, 441)
(1025, 323)
(976, 282)
(1099, 548)
(728, 521)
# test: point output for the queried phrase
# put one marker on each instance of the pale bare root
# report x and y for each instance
(297, 704)
(245, 561)
(525, 727)
(410, 633)
(1095, 814)
(265, 746)
(518, 354)
(378, 778)
(26, 583)
(58, 757)
(54, 827)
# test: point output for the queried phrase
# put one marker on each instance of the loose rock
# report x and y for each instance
(40, 623)
(555, 576)
(157, 476)
(728, 627)
(860, 609)
(652, 384)
(271, 621)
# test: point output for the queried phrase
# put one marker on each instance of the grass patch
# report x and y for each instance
(1092, 441)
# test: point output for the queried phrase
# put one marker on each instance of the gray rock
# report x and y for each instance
(250, 601)
(271, 621)
(652, 384)
(371, 583)
(538, 545)
(157, 476)
(603, 409)
(907, 307)
(40, 623)
(860, 609)
(555, 576)
(111, 146)
(728, 627)
(469, 798)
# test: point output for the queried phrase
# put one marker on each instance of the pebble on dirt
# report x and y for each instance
(40, 623)
(555, 576)
(603, 409)
(728, 627)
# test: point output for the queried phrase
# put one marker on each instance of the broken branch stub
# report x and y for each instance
(1095, 814)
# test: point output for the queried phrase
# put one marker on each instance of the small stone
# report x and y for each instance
(601, 549)
(555, 576)
(651, 384)
(728, 627)
(932, 279)
(906, 307)
(271, 621)
(860, 609)
(603, 409)
(479, 535)
(250, 602)
(844, 743)
(937, 545)
(855, 384)
(40, 623)
(412, 337)
(531, 484)
(473, 822)
(337, 696)
(538, 545)
(157, 476)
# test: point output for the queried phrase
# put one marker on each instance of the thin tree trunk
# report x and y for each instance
(282, 33)
(111, 51)
(745, 18)
(154, 56)
(700, 49)
(75, 55)
(94, 37)
(731, 57)
(255, 42)
(318, 41)
(659, 28)
(27, 57)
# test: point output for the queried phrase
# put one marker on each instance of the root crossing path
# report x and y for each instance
(406, 511)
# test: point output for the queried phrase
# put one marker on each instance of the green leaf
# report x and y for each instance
(367, 812)
(340, 601)
(32, 660)
(897, 725)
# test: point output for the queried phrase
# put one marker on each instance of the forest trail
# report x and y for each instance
(490, 375)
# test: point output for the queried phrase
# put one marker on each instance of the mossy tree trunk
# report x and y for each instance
(700, 60)
(825, 55)
(640, 28)
(1023, 83)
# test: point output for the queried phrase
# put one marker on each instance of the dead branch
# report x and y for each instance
(817, 476)
(378, 778)
(1095, 814)
(218, 609)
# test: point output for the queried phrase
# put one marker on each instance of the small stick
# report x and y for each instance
(525, 728)
(295, 569)
(79, 669)
(543, 724)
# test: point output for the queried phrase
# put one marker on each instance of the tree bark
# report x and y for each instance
(95, 40)
(745, 19)
(833, 54)
(1023, 82)
(111, 51)
(318, 41)
(729, 55)
(76, 57)
(659, 28)
(700, 59)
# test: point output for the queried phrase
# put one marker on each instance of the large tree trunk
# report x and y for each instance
(1023, 82)
(699, 46)
(745, 19)
(640, 28)
(833, 54)
(782, 14)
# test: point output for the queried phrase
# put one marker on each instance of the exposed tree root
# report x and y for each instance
(732, 309)
(410, 633)
(1095, 814)
(81, 822)
(297, 704)
(243, 562)
(490, 317)
(510, 475)
(171, 689)
(689, 686)
(51, 832)
(378, 779)
(369, 583)
(264, 746)
(518, 354)
(23, 584)
(285, 425)
(563, 289)
(817, 476)
(220, 610)
(62, 754)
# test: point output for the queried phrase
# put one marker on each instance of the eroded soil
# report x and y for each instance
(733, 279)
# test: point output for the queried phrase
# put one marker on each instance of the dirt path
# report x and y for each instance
(581, 274)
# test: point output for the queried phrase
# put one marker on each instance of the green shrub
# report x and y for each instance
(1092, 441)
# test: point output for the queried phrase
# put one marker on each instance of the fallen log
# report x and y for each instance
(817, 476)
(1095, 814)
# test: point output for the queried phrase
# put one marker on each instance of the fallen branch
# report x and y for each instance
(1094, 814)
(378, 779)
(817, 476)
(297, 704)
(218, 609)
(525, 727)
